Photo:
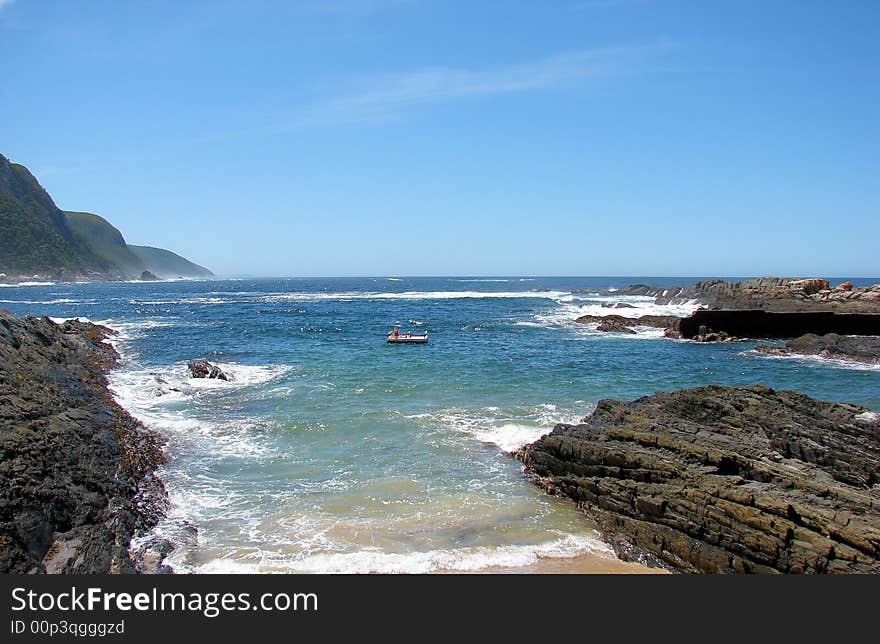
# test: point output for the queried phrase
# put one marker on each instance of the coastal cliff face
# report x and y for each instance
(76, 471)
(36, 239)
(724, 479)
(41, 242)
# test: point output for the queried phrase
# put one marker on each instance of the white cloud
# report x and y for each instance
(355, 6)
(390, 94)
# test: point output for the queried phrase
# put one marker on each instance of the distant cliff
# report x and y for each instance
(106, 241)
(167, 265)
(40, 241)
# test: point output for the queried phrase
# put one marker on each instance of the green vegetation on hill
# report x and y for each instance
(28, 245)
(35, 236)
(38, 239)
(105, 240)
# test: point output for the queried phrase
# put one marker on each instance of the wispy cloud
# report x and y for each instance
(388, 95)
(5, 3)
(355, 6)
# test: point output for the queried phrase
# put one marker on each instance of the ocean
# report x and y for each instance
(332, 451)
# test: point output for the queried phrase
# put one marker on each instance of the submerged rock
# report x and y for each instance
(204, 369)
(724, 479)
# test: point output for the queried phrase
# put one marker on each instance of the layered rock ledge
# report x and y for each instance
(77, 472)
(764, 307)
(724, 479)
(780, 294)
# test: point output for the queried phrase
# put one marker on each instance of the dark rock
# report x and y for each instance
(77, 473)
(773, 294)
(863, 349)
(724, 479)
(766, 324)
(147, 276)
(204, 369)
(621, 324)
(705, 334)
(614, 326)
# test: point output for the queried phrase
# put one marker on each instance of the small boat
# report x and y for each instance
(396, 337)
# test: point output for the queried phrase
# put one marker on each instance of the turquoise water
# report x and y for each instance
(333, 451)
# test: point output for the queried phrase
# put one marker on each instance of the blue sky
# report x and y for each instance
(422, 137)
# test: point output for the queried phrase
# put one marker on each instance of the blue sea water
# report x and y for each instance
(332, 451)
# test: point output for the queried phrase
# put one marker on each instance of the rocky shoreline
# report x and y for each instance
(724, 479)
(77, 473)
(764, 307)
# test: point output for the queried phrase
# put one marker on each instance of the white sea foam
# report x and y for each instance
(63, 300)
(413, 295)
(29, 284)
(573, 306)
(510, 436)
(184, 300)
(178, 407)
(508, 429)
(376, 561)
(484, 280)
(815, 361)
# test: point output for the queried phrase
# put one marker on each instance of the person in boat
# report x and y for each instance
(396, 332)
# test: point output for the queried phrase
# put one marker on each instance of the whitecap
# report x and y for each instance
(469, 559)
(414, 295)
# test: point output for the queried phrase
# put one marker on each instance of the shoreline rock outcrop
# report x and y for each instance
(764, 307)
(724, 479)
(204, 369)
(77, 472)
(745, 323)
(860, 349)
(779, 294)
(623, 324)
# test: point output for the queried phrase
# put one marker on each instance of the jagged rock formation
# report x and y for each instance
(764, 307)
(617, 323)
(724, 479)
(204, 369)
(76, 471)
(614, 326)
